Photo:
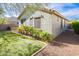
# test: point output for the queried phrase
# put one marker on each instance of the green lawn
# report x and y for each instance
(12, 44)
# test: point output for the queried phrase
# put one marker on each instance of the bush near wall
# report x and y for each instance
(75, 26)
(36, 33)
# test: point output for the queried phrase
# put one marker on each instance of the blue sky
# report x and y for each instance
(69, 10)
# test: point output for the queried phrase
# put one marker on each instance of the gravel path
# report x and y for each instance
(66, 44)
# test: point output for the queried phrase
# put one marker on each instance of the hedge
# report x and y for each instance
(75, 26)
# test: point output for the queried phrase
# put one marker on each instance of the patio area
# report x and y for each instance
(66, 44)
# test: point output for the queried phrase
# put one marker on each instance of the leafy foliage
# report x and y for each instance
(1, 11)
(75, 26)
(23, 20)
(3, 21)
(34, 32)
(17, 45)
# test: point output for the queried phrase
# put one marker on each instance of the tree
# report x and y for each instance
(14, 9)
(30, 9)
(1, 12)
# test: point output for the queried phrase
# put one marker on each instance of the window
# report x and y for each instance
(37, 23)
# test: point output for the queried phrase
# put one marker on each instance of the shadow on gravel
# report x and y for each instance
(68, 37)
(58, 44)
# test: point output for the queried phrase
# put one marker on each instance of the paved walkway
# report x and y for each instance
(66, 44)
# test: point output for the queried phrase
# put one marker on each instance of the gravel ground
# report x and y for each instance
(66, 44)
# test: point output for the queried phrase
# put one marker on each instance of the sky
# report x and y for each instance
(12, 9)
(68, 10)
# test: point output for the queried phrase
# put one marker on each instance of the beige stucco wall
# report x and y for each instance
(46, 22)
(56, 27)
(49, 23)
(52, 24)
(66, 24)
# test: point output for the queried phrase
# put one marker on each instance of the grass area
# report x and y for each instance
(12, 44)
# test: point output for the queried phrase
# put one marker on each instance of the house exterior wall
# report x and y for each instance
(47, 22)
(57, 25)
(33, 22)
(65, 24)
(52, 24)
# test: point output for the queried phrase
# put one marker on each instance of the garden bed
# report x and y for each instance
(12, 44)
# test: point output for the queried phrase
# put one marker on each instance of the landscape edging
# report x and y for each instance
(39, 50)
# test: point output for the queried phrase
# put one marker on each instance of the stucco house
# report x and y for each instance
(48, 20)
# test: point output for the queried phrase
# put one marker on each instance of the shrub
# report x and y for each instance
(75, 26)
(21, 29)
(45, 36)
(3, 21)
(34, 32)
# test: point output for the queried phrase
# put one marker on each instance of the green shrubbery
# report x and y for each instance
(34, 32)
(3, 21)
(75, 26)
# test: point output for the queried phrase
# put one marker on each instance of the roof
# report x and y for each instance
(47, 10)
(51, 11)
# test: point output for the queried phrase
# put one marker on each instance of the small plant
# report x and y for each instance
(75, 26)
(21, 29)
